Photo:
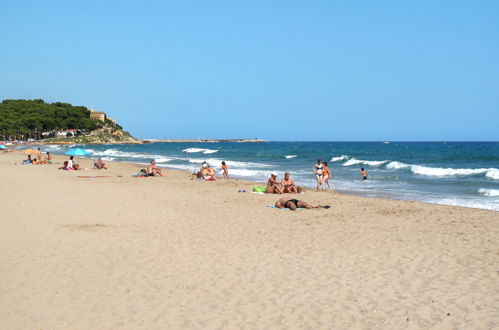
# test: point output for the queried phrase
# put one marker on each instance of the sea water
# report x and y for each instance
(453, 173)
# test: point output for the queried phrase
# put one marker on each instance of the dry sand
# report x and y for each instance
(171, 253)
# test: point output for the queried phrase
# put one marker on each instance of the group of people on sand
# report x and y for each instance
(208, 173)
(285, 186)
(38, 159)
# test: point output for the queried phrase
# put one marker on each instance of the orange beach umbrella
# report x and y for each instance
(30, 151)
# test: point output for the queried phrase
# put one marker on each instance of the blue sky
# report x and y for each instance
(279, 70)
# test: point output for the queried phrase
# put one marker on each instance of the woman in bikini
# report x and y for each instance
(318, 170)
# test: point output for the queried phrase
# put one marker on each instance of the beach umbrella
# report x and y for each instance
(30, 151)
(77, 152)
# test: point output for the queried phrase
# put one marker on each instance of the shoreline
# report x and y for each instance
(264, 183)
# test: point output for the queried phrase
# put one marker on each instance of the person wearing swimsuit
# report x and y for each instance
(327, 175)
(294, 204)
(364, 174)
(288, 185)
(319, 172)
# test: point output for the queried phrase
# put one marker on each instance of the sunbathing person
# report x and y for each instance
(294, 204)
(272, 185)
(288, 185)
(99, 164)
(209, 174)
(153, 170)
(28, 161)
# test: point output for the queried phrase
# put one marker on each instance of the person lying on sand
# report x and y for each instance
(272, 185)
(294, 204)
(99, 164)
(288, 185)
(153, 170)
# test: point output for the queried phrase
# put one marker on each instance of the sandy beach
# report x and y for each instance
(173, 253)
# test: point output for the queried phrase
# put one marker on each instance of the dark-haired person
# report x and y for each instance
(364, 174)
(28, 161)
(294, 204)
(318, 170)
(225, 170)
(327, 175)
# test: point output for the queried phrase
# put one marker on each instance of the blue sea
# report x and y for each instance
(452, 173)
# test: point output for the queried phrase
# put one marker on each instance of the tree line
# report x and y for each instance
(22, 119)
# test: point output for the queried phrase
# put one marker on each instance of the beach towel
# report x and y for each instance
(259, 189)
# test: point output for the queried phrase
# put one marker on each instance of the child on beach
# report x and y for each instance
(225, 169)
(364, 174)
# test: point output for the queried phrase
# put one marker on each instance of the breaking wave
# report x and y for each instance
(203, 150)
(339, 158)
(290, 156)
(354, 161)
(492, 173)
(489, 192)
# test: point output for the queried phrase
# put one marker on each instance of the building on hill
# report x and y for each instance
(97, 115)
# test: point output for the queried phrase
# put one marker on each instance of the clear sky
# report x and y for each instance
(279, 70)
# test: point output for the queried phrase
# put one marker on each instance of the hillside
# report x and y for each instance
(57, 123)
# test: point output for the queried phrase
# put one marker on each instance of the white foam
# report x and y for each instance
(397, 165)
(493, 173)
(440, 171)
(117, 153)
(467, 203)
(339, 158)
(489, 192)
(203, 150)
(230, 163)
(354, 161)
(290, 156)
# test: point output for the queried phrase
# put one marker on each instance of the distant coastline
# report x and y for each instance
(201, 140)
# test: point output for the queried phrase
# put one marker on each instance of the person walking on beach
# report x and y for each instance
(327, 175)
(319, 172)
(225, 170)
(364, 174)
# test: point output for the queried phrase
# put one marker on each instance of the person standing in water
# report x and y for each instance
(319, 173)
(364, 174)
